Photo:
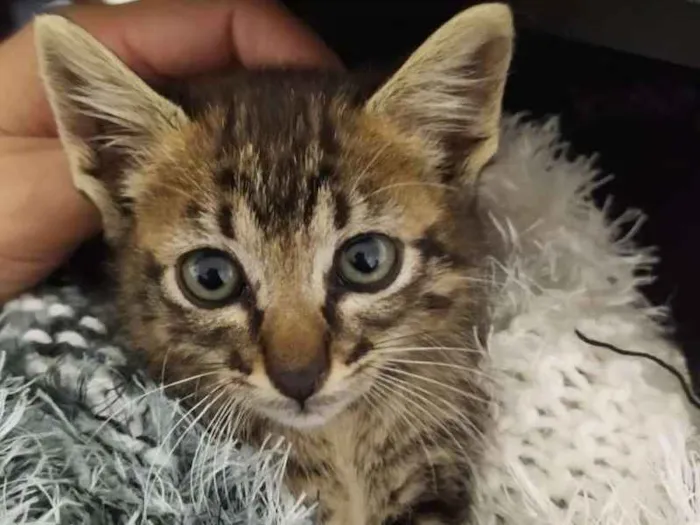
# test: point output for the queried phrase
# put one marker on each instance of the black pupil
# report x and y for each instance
(212, 272)
(364, 256)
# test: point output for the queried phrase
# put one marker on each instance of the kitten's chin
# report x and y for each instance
(315, 414)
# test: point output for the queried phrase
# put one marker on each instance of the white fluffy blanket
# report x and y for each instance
(584, 436)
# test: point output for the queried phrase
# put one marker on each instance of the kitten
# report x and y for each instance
(304, 259)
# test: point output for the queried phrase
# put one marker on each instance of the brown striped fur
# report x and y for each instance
(278, 168)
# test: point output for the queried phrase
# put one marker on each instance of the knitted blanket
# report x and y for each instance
(582, 435)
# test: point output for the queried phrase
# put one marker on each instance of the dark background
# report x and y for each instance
(640, 115)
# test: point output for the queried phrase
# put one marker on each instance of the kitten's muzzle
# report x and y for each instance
(295, 348)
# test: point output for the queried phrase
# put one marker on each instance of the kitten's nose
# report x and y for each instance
(296, 352)
(299, 384)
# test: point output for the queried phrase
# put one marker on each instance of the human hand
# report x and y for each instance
(42, 217)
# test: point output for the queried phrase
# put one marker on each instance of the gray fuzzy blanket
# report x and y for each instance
(85, 437)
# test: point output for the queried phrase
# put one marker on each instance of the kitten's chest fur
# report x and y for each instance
(342, 468)
(368, 464)
(335, 472)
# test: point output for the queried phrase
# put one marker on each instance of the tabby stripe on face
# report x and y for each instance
(224, 218)
(341, 211)
(153, 270)
(431, 248)
(435, 301)
(236, 362)
(311, 200)
(362, 348)
(329, 309)
(315, 185)
(328, 145)
(256, 316)
(193, 210)
(327, 139)
(126, 205)
(226, 180)
(400, 305)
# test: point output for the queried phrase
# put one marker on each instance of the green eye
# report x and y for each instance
(368, 262)
(209, 278)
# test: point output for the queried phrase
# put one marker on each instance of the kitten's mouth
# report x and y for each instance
(315, 412)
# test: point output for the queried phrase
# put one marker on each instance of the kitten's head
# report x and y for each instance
(280, 238)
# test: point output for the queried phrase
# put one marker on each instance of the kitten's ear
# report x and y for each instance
(450, 90)
(106, 115)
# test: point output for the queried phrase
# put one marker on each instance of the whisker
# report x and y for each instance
(466, 425)
(457, 412)
(453, 366)
(412, 424)
(196, 420)
(222, 418)
(231, 424)
(164, 365)
(412, 398)
(398, 350)
(204, 447)
(418, 336)
(231, 428)
(413, 183)
(239, 421)
(205, 438)
(163, 440)
(159, 389)
(451, 388)
(382, 387)
(205, 399)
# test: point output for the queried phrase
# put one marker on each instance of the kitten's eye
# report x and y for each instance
(209, 278)
(368, 263)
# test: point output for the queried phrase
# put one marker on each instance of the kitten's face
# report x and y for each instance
(285, 250)
(279, 240)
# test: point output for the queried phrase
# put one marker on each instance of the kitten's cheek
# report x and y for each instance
(337, 379)
(350, 369)
(258, 377)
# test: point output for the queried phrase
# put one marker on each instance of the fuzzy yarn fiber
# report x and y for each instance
(583, 436)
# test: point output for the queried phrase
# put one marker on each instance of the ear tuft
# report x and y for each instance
(106, 115)
(450, 90)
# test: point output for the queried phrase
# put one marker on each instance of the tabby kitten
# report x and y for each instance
(305, 259)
